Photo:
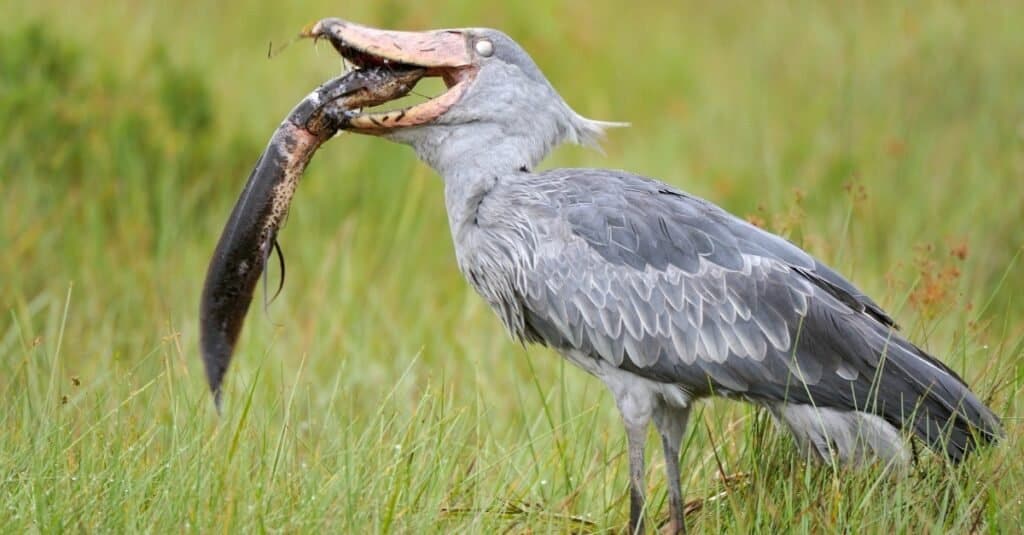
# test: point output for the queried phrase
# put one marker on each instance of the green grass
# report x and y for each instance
(379, 394)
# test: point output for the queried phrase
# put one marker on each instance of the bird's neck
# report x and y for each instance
(464, 190)
(472, 161)
(458, 151)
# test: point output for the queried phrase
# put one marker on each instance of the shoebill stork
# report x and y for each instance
(663, 296)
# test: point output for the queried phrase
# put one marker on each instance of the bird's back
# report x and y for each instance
(672, 289)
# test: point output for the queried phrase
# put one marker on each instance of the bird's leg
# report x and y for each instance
(636, 408)
(671, 424)
(636, 433)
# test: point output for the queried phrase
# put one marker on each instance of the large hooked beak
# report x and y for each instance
(447, 54)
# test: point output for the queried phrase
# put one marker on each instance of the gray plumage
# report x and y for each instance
(666, 297)
(672, 289)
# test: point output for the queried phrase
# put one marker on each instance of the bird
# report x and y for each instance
(665, 297)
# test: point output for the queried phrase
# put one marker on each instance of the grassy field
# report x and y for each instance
(378, 393)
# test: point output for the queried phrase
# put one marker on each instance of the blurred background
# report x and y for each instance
(886, 138)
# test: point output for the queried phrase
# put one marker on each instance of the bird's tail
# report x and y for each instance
(943, 411)
(911, 391)
(919, 394)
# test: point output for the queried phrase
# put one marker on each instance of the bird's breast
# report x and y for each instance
(494, 260)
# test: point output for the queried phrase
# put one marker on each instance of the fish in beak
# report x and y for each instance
(250, 234)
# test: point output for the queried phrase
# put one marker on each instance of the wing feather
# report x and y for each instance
(672, 288)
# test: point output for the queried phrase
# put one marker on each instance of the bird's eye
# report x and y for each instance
(484, 47)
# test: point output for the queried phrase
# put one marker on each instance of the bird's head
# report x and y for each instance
(498, 108)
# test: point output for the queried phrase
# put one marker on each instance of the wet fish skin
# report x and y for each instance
(251, 230)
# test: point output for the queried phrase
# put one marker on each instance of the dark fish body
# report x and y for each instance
(251, 231)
